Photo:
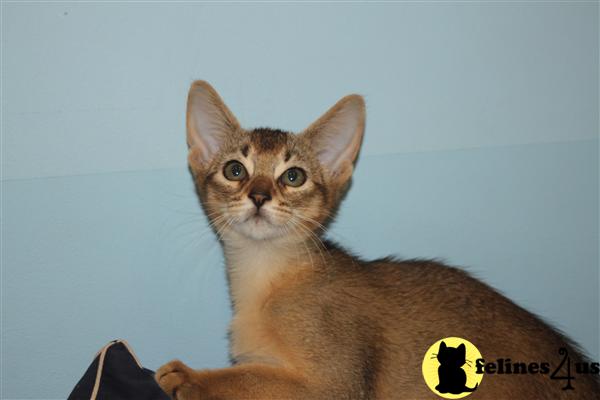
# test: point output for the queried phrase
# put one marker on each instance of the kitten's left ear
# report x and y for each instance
(337, 135)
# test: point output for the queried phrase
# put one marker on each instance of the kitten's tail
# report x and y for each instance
(468, 389)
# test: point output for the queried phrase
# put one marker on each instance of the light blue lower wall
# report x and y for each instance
(90, 258)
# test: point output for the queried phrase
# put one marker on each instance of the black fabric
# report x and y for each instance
(121, 379)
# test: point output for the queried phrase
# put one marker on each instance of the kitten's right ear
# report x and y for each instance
(337, 135)
(208, 122)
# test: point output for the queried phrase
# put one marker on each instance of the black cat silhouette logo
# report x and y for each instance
(451, 375)
(448, 368)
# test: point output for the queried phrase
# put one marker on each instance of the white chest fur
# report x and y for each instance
(253, 271)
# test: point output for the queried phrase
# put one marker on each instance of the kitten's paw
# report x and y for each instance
(173, 377)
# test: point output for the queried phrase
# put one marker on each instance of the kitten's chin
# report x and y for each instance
(259, 228)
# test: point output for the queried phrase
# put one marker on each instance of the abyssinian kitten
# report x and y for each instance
(312, 321)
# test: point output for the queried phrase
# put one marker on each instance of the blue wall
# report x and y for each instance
(481, 149)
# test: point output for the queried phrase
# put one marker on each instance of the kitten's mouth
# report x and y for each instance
(259, 225)
(258, 217)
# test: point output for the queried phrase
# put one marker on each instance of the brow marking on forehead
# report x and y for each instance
(245, 150)
(287, 156)
(268, 140)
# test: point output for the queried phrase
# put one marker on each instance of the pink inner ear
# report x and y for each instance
(340, 136)
(335, 143)
(209, 132)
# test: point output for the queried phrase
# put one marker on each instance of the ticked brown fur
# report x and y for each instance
(312, 321)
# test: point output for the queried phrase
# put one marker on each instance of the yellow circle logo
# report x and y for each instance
(449, 368)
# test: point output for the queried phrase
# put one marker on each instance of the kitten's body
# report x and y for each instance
(314, 322)
(366, 326)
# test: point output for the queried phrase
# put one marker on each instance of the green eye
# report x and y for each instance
(293, 177)
(234, 171)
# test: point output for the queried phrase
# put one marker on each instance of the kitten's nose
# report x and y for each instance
(259, 198)
(260, 191)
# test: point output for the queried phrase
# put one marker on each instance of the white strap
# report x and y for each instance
(102, 354)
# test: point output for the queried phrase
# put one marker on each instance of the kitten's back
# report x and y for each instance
(418, 302)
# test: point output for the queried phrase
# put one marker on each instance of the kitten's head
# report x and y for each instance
(270, 184)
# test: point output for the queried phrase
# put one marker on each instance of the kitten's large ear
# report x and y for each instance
(337, 135)
(208, 121)
(442, 347)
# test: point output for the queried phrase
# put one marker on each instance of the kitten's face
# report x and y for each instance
(266, 184)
